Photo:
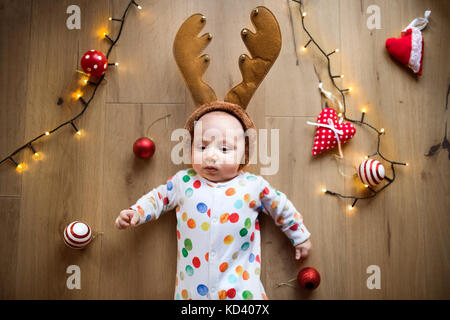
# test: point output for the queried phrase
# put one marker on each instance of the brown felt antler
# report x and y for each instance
(186, 48)
(264, 47)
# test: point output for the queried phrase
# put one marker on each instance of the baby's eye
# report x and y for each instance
(225, 149)
(200, 147)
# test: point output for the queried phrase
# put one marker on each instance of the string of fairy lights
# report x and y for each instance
(373, 192)
(77, 95)
(311, 40)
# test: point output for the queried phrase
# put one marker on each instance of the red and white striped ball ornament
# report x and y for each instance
(77, 235)
(371, 172)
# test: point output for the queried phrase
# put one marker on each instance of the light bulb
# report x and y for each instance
(79, 132)
(364, 110)
(350, 208)
(77, 95)
(47, 133)
(110, 18)
(139, 7)
(304, 14)
(366, 185)
(36, 154)
(382, 130)
(337, 50)
(324, 190)
(116, 64)
(341, 76)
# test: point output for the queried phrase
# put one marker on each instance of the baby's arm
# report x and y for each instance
(285, 215)
(150, 206)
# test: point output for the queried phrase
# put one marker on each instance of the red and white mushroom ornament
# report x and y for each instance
(94, 63)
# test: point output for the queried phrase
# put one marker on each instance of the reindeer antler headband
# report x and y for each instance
(264, 46)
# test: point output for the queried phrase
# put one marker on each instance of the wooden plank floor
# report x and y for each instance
(404, 230)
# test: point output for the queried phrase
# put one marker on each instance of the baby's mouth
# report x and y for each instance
(210, 169)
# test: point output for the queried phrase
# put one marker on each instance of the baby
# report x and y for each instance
(217, 206)
(216, 202)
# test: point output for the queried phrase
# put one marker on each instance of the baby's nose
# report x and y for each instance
(211, 154)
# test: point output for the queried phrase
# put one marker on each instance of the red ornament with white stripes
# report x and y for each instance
(77, 235)
(371, 172)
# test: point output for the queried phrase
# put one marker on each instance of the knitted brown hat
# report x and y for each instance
(264, 46)
(237, 112)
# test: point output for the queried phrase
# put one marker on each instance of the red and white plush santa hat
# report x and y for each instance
(408, 50)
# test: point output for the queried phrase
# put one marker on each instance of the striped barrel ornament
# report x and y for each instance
(77, 235)
(371, 172)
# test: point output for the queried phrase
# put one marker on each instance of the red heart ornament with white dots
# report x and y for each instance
(326, 138)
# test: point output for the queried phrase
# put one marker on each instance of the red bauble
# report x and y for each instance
(144, 148)
(308, 278)
(94, 63)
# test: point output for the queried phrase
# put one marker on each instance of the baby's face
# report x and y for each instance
(218, 147)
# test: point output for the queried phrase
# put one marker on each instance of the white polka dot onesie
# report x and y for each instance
(219, 244)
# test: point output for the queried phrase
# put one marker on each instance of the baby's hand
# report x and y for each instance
(127, 217)
(302, 249)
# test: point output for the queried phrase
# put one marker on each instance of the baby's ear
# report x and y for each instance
(242, 161)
